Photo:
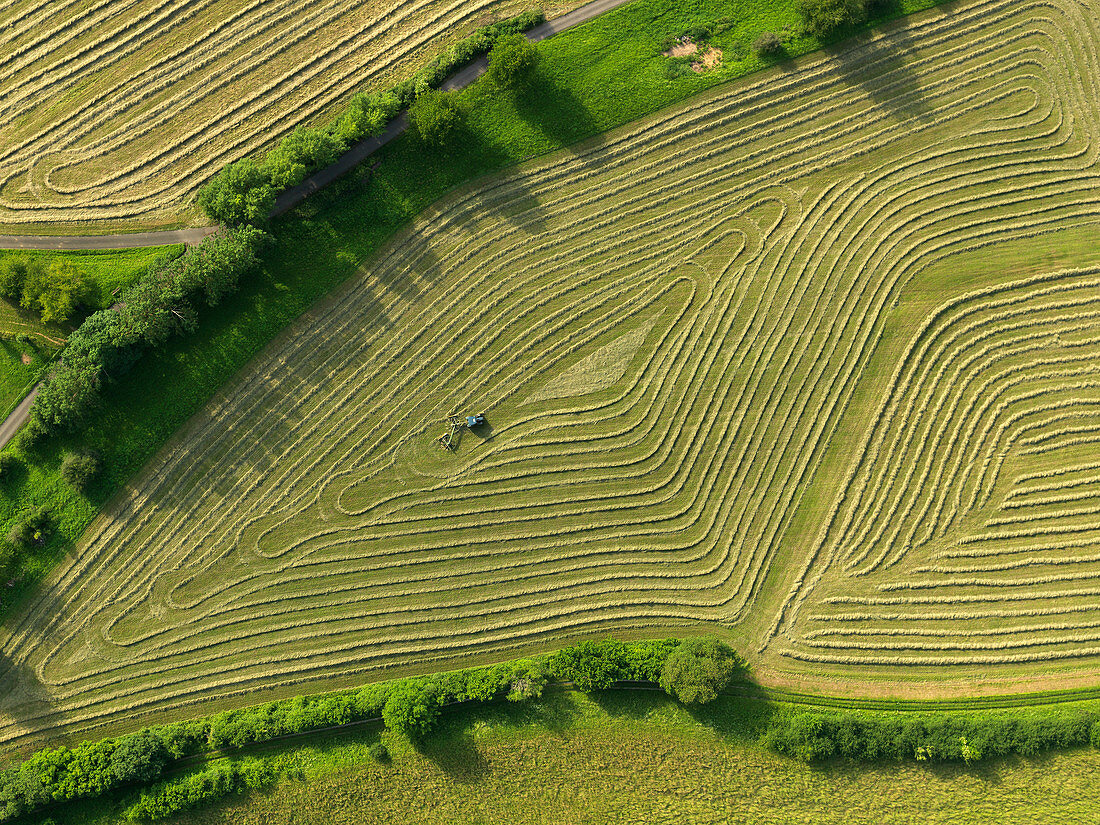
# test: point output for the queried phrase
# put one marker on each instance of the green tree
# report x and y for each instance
(592, 665)
(54, 290)
(434, 116)
(824, 17)
(13, 275)
(241, 193)
(512, 61)
(698, 669)
(412, 708)
(79, 469)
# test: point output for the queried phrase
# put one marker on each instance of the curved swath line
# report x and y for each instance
(465, 13)
(319, 592)
(1069, 560)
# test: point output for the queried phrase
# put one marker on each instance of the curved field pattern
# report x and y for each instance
(666, 328)
(115, 111)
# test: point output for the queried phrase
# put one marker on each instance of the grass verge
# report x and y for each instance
(625, 756)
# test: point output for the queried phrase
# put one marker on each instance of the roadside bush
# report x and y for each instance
(240, 193)
(698, 669)
(434, 116)
(79, 469)
(824, 17)
(412, 708)
(512, 61)
(768, 43)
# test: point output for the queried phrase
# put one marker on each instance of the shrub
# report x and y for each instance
(434, 116)
(824, 17)
(79, 469)
(241, 193)
(379, 753)
(412, 708)
(767, 43)
(512, 61)
(13, 274)
(591, 665)
(32, 529)
(139, 757)
(54, 291)
(698, 669)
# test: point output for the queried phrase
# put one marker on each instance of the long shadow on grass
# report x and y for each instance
(24, 700)
(881, 70)
(556, 111)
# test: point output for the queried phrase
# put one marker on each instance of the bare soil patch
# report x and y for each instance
(708, 60)
(684, 47)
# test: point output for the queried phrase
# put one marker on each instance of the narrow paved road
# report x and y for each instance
(292, 197)
(14, 421)
(128, 241)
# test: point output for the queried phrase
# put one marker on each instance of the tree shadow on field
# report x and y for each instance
(457, 755)
(559, 114)
(25, 702)
(879, 67)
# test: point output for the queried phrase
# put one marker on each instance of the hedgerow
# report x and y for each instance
(410, 707)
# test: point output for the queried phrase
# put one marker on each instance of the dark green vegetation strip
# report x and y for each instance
(693, 670)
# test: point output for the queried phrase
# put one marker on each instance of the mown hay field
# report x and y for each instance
(114, 112)
(733, 373)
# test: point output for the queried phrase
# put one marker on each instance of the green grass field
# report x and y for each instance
(679, 331)
(630, 757)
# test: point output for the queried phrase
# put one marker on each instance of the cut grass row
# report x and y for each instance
(323, 244)
(308, 512)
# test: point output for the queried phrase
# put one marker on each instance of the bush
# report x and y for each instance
(512, 61)
(767, 43)
(824, 17)
(698, 669)
(79, 469)
(434, 116)
(139, 757)
(241, 193)
(54, 291)
(13, 274)
(412, 708)
(199, 788)
(379, 753)
(30, 530)
(814, 735)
